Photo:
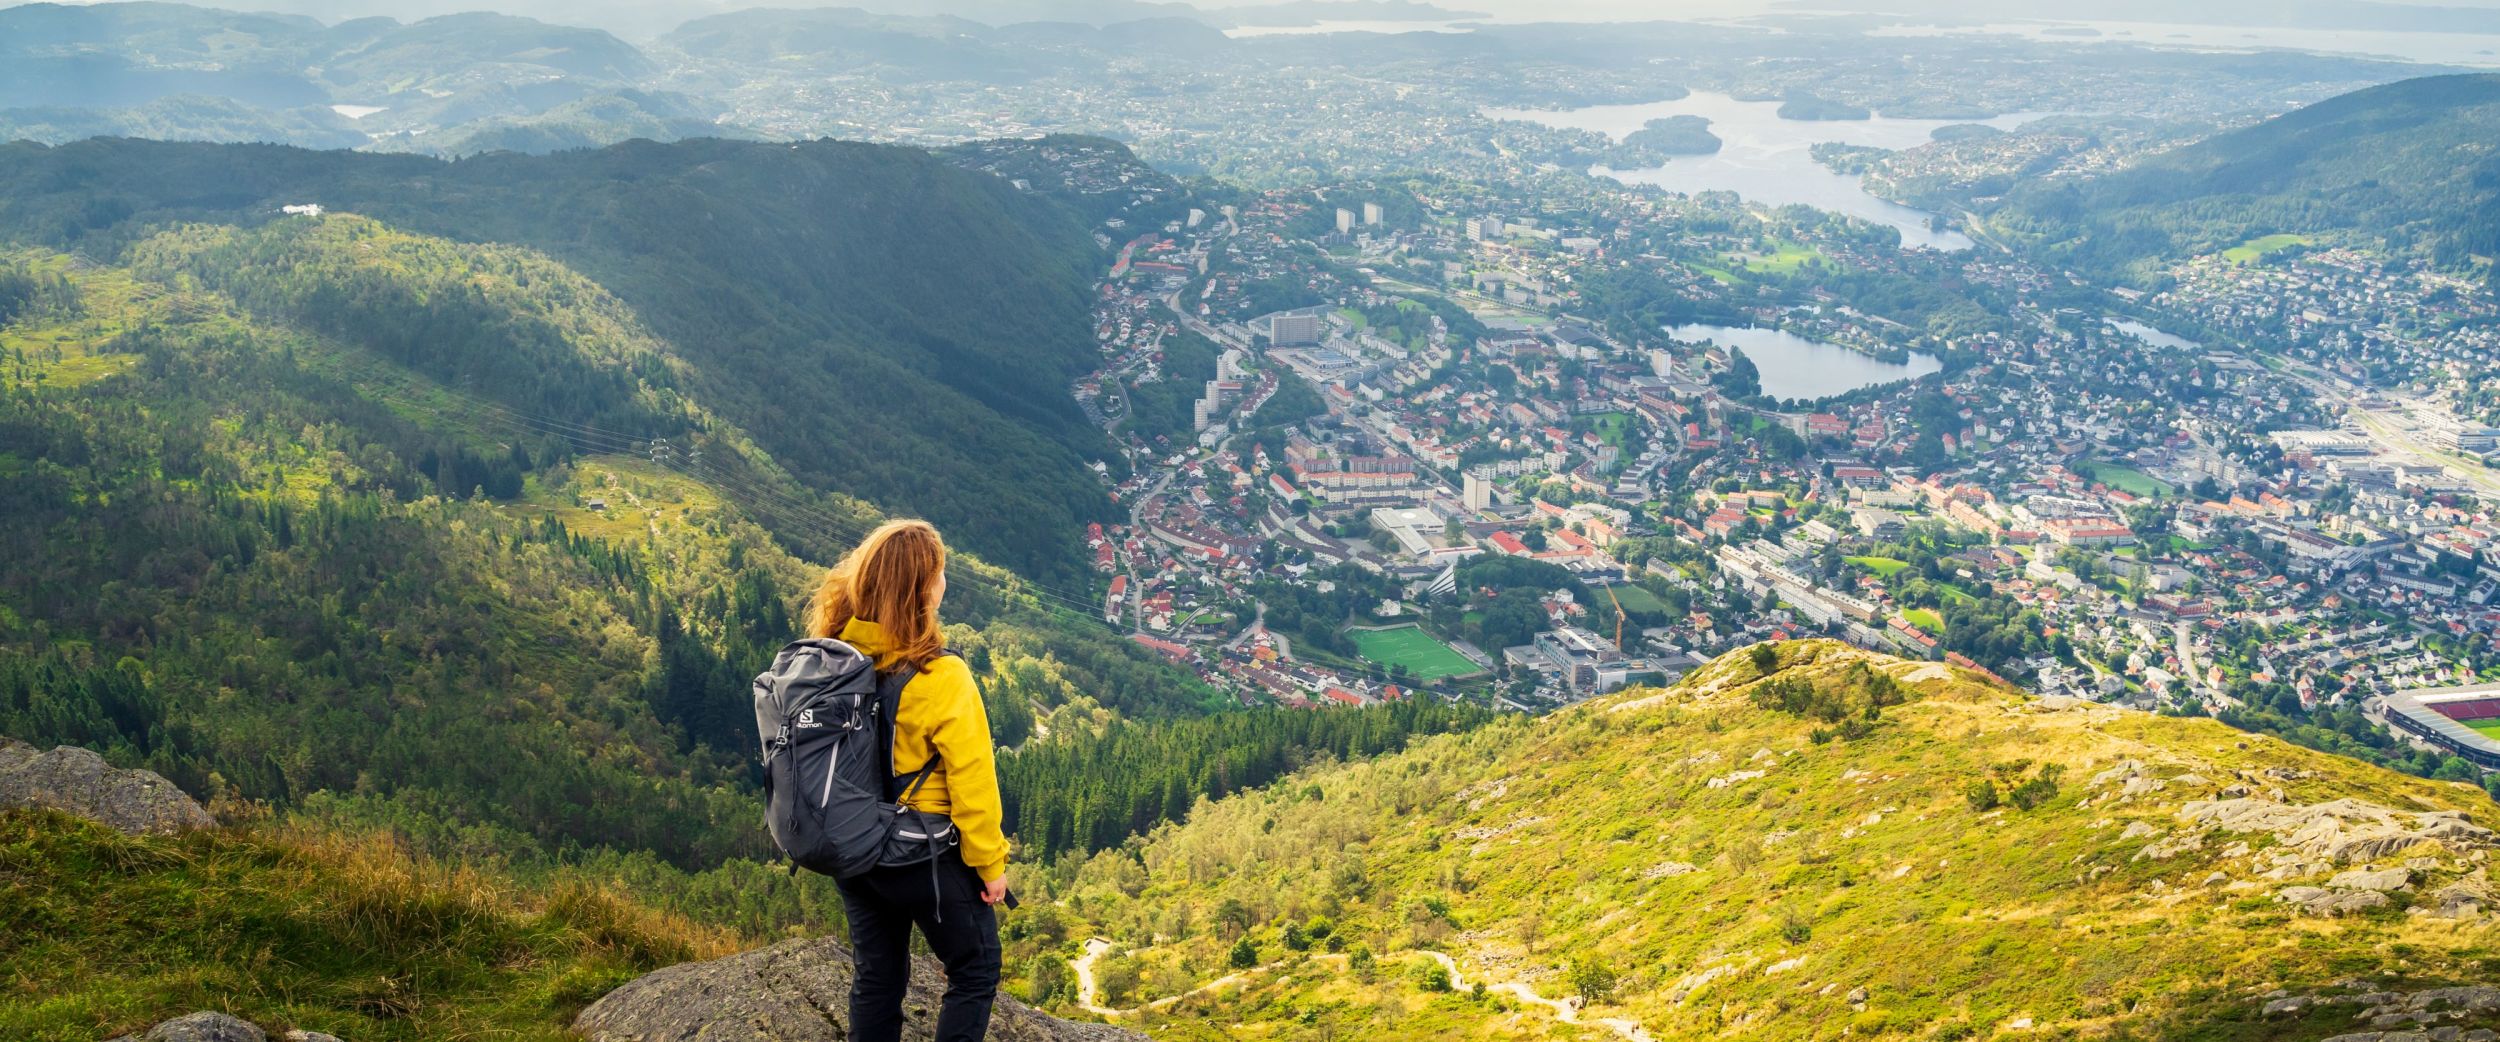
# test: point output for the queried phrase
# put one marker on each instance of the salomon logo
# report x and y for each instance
(807, 718)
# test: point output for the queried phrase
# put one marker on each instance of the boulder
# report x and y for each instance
(795, 991)
(200, 1027)
(77, 781)
(2467, 898)
(2321, 901)
(2365, 879)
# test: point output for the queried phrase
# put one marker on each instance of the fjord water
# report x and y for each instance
(1767, 159)
(2150, 335)
(1794, 367)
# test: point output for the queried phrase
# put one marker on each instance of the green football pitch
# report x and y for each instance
(1425, 658)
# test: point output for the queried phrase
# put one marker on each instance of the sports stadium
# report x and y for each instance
(2461, 720)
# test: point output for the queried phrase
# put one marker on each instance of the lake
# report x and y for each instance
(1767, 159)
(1795, 367)
(2150, 335)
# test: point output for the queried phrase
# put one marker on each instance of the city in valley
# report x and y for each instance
(1533, 437)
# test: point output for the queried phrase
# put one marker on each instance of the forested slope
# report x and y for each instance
(303, 514)
(875, 317)
(2408, 165)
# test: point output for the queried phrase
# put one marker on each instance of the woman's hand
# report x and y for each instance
(994, 891)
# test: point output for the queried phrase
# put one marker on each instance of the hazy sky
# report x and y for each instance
(668, 12)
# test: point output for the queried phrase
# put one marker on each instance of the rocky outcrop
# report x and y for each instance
(2467, 898)
(2341, 831)
(2317, 900)
(77, 781)
(795, 991)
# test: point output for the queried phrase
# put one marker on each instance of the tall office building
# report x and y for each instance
(1476, 489)
(1371, 213)
(1345, 220)
(1293, 328)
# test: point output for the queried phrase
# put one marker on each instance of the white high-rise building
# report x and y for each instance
(1476, 490)
(1371, 213)
(1345, 220)
(1289, 330)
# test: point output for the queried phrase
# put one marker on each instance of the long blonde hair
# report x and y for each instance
(890, 579)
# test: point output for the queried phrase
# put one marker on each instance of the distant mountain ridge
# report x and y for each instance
(2406, 165)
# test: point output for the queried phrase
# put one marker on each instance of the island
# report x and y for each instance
(1660, 139)
(1964, 132)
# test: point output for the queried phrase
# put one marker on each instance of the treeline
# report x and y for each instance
(1635, 302)
(23, 291)
(1090, 792)
(2345, 731)
(1165, 408)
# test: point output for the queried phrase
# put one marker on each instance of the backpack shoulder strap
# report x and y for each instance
(890, 702)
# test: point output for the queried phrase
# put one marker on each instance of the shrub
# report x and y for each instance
(2038, 790)
(1245, 954)
(1982, 795)
(1591, 979)
(1766, 658)
(1794, 928)
(1432, 976)
(1046, 979)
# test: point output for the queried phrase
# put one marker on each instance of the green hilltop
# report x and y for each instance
(291, 927)
(1804, 841)
(2405, 165)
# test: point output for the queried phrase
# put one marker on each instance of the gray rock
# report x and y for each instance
(204, 1027)
(301, 1035)
(2321, 901)
(2467, 898)
(2342, 831)
(77, 781)
(795, 991)
(2365, 879)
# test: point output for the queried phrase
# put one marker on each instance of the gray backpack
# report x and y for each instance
(826, 717)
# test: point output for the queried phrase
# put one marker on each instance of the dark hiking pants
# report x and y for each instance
(883, 906)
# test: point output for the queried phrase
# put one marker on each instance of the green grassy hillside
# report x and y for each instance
(1857, 845)
(289, 927)
(2407, 165)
